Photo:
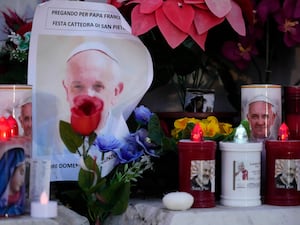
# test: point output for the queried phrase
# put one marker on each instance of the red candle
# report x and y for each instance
(283, 165)
(197, 168)
(4, 129)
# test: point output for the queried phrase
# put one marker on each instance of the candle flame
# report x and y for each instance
(197, 133)
(44, 198)
(283, 132)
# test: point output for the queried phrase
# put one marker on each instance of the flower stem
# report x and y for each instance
(268, 70)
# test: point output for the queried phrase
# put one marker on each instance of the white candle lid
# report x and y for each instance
(248, 146)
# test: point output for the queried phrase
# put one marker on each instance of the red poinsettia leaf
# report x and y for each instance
(205, 20)
(181, 15)
(141, 23)
(150, 6)
(24, 28)
(198, 38)
(201, 6)
(219, 7)
(236, 20)
(247, 9)
(171, 33)
(12, 20)
(197, 3)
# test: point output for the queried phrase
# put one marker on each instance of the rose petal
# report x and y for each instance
(172, 34)
(141, 23)
(235, 18)
(219, 7)
(205, 20)
(181, 15)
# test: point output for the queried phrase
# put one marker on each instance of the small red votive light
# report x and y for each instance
(197, 133)
(283, 132)
(197, 168)
(13, 125)
(4, 129)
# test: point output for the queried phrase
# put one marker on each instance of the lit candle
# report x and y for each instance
(13, 125)
(283, 165)
(241, 169)
(4, 129)
(44, 208)
(197, 168)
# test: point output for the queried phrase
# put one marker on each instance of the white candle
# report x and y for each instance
(44, 208)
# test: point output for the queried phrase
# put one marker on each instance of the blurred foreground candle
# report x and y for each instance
(13, 126)
(197, 168)
(44, 208)
(292, 110)
(4, 129)
(241, 170)
(283, 170)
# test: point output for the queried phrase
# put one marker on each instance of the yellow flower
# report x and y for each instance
(226, 128)
(180, 125)
(211, 127)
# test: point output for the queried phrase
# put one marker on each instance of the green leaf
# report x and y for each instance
(92, 138)
(116, 197)
(70, 138)
(168, 144)
(86, 178)
(154, 129)
(246, 124)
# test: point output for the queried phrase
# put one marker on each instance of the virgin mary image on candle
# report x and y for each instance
(12, 182)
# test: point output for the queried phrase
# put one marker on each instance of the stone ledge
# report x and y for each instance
(145, 212)
(65, 217)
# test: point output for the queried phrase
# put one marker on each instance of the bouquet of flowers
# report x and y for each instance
(14, 53)
(109, 195)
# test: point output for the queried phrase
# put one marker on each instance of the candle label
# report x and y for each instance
(261, 106)
(203, 175)
(246, 174)
(287, 174)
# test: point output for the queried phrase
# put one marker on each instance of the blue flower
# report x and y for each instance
(143, 141)
(128, 152)
(107, 143)
(142, 115)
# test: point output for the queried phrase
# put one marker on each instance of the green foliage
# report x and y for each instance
(71, 139)
(158, 137)
(245, 124)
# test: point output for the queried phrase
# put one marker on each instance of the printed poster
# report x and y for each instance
(67, 37)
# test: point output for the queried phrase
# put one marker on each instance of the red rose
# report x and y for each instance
(86, 114)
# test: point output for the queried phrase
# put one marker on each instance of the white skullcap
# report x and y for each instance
(261, 98)
(93, 46)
